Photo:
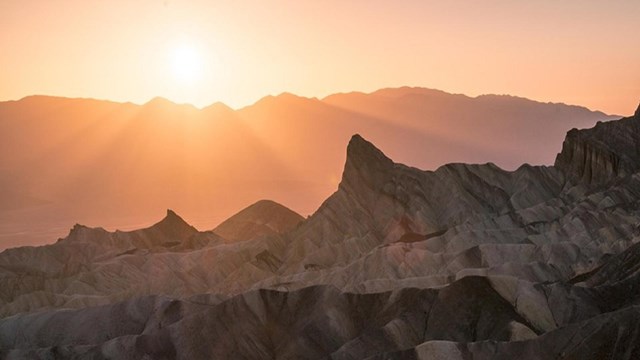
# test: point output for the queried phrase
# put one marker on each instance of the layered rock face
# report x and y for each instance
(608, 150)
(467, 261)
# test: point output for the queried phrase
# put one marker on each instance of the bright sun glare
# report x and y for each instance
(186, 63)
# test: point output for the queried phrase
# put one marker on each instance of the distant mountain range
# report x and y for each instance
(119, 165)
(464, 261)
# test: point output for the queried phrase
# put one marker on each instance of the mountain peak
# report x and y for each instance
(282, 99)
(159, 101)
(265, 217)
(361, 150)
(219, 107)
(172, 214)
(172, 224)
(172, 218)
(365, 163)
(359, 147)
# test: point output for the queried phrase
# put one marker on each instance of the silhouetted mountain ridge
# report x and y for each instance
(156, 155)
(397, 263)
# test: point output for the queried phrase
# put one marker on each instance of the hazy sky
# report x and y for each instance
(583, 52)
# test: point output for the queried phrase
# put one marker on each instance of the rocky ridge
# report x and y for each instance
(603, 152)
(466, 260)
(59, 152)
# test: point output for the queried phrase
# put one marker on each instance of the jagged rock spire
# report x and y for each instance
(366, 170)
(361, 153)
(174, 226)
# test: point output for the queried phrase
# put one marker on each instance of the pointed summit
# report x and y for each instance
(172, 215)
(174, 226)
(361, 149)
(361, 153)
(173, 219)
(365, 163)
(264, 217)
(218, 107)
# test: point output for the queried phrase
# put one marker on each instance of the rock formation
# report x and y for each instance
(464, 261)
(606, 151)
(65, 161)
(263, 218)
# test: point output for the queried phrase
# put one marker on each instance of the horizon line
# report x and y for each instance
(288, 93)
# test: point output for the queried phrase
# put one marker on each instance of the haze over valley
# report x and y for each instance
(330, 180)
(120, 165)
(398, 263)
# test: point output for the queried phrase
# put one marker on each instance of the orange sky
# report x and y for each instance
(583, 52)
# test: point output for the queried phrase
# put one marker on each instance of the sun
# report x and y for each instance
(186, 63)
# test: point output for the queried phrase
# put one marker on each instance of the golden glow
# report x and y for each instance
(578, 52)
(186, 64)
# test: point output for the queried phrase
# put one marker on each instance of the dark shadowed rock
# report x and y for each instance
(265, 217)
(466, 319)
(602, 153)
(365, 163)
(174, 226)
(466, 261)
(317, 322)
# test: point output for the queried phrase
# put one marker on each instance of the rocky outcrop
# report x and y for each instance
(387, 226)
(87, 158)
(463, 261)
(92, 266)
(602, 153)
(263, 218)
(467, 318)
(316, 321)
(597, 338)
